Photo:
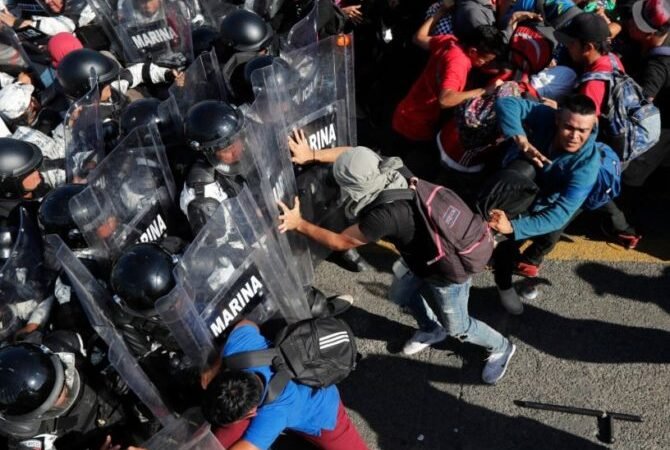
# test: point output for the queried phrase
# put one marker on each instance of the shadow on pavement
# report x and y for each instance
(572, 339)
(398, 400)
(633, 287)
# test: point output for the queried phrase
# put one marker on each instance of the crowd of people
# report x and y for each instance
(171, 170)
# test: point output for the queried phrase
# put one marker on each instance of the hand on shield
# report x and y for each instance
(290, 218)
(107, 445)
(353, 13)
(179, 78)
(300, 151)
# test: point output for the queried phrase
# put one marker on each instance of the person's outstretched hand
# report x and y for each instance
(353, 13)
(530, 151)
(300, 151)
(290, 218)
(498, 221)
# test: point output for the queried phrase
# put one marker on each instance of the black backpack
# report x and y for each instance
(316, 352)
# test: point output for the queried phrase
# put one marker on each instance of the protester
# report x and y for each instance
(562, 145)
(362, 177)
(234, 404)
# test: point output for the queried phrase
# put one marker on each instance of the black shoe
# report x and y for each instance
(337, 304)
(350, 260)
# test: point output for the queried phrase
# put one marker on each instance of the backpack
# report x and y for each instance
(608, 183)
(530, 50)
(315, 352)
(477, 119)
(632, 124)
(463, 240)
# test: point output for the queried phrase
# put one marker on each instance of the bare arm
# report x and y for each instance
(450, 98)
(290, 219)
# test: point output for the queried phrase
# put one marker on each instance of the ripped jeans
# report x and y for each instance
(452, 301)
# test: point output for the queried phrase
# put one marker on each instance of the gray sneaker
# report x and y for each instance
(496, 364)
(424, 339)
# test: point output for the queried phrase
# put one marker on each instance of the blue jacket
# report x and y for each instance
(564, 184)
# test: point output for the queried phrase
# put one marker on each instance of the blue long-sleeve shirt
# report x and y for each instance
(565, 183)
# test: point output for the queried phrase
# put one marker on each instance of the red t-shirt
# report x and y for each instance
(596, 90)
(416, 116)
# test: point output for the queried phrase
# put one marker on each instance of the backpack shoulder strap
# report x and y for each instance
(276, 386)
(591, 76)
(247, 360)
(258, 358)
(389, 196)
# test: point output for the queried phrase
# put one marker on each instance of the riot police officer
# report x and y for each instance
(79, 69)
(150, 111)
(54, 217)
(213, 129)
(75, 70)
(139, 278)
(243, 35)
(20, 179)
(45, 401)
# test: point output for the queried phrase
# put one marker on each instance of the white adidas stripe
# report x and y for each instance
(330, 337)
(341, 341)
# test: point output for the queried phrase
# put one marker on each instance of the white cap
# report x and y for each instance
(14, 99)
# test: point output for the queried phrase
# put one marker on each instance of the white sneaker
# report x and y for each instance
(511, 301)
(423, 339)
(496, 364)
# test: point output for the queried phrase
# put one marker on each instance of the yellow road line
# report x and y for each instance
(582, 249)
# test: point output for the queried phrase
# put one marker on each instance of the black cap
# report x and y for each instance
(585, 27)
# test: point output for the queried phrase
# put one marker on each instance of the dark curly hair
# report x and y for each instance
(230, 396)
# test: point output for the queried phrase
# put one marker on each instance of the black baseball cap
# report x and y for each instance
(585, 27)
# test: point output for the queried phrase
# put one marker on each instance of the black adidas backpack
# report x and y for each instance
(316, 352)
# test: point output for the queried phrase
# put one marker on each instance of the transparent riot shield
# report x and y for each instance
(317, 96)
(189, 432)
(229, 272)
(13, 58)
(274, 163)
(201, 81)
(322, 99)
(22, 274)
(129, 197)
(96, 302)
(303, 33)
(84, 142)
(215, 11)
(157, 31)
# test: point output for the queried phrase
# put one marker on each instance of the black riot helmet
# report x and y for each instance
(18, 159)
(140, 276)
(283, 77)
(203, 39)
(245, 31)
(94, 214)
(32, 379)
(141, 112)
(55, 217)
(75, 70)
(213, 127)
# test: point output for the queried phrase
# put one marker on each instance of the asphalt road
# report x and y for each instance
(598, 336)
